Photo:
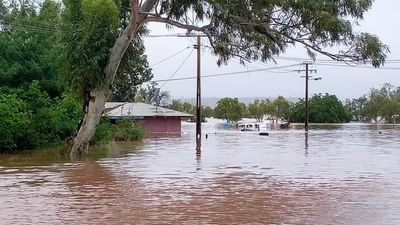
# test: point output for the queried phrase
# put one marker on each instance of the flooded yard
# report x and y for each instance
(345, 174)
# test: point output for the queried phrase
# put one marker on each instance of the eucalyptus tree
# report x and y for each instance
(96, 39)
(255, 110)
(258, 109)
(151, 94)
(230, 109)
(356, 108)
(382, 104)
(281, 108)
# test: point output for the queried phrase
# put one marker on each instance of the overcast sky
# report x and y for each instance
(344, 82)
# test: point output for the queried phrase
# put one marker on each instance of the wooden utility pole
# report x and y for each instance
(198, 99)
(306, 117)
(307, 77)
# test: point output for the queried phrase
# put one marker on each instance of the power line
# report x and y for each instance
(21, 27)
(183, 63)
(228, 74)
(299, 59)
(32, 19)
(169, 57)
(357, 66)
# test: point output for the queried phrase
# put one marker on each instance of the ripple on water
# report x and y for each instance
(346, 175)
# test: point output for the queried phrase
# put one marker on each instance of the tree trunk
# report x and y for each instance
(92, 118)
(90, 121)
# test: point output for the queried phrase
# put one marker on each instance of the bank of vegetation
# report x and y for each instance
(38, 109)
(380, 105)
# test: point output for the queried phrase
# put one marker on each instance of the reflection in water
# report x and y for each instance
(306, 143)
(351, 175)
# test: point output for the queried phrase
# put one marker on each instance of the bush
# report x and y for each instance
(14, 121)
(104, 132)
(52, 125)
(126, 131)
(31, 119)
(122, 131)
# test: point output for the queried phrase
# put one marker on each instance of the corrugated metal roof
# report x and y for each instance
(138, 109)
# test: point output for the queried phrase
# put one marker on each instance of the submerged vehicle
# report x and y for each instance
(252, 126)
(262, 126)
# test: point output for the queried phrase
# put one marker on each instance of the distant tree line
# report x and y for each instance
(323, 109)
(378, 106)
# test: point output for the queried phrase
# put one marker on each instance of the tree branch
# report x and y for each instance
(148, 5)
(154, 18)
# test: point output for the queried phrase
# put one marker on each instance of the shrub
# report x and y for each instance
(14, 121)
(122, 131)
(104, 132)
(126, 131)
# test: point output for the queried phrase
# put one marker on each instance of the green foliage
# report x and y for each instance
(327, 109)
(281, 108)
(382, 104)
(262, 29)
(126, 131)
(230, 109)
(134, 67)
(186, 107)
(13, 123)
(207, 112)
(41, 115)
(297, 112)
(104, 133)
(56, 123)
(258, 109)
(133, 71)
(176, 105)
(30, 119)
(151, 94)
(121, 131)
(27, 46)
(322, 109)
(35, 98)
(356, 108)
(89, 30)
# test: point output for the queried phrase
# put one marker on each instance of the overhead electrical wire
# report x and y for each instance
(180, 66)
(345, 62)
(356, 66)
(30, 20)
(30, 28)
(169, 57)
(229, 74)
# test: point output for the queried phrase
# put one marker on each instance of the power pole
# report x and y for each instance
(307, 77)
(306, 102)
(198, 100)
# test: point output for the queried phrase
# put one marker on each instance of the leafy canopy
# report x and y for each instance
(89, 29)
(230, 109)
(262, 29)
(322, 109)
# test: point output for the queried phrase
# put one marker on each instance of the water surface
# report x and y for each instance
(345, 174)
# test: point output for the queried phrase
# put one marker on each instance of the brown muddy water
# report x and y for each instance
(347, 174)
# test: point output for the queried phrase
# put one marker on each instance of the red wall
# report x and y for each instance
(162, 125)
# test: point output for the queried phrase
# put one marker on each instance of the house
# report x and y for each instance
(156, 120)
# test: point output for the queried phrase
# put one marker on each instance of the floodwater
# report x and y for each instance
(345, 174)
